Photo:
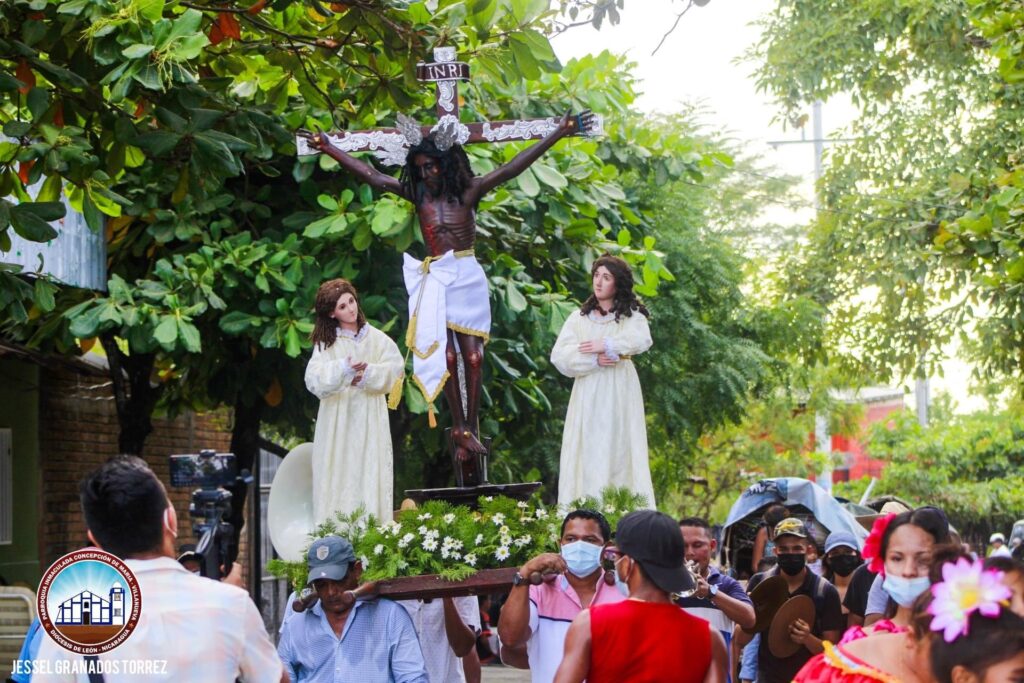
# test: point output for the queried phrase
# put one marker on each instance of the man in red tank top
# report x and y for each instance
(647, 638)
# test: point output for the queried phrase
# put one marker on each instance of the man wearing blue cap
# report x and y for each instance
(341, 640)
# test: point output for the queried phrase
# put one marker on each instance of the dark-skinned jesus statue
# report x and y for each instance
(448, 295)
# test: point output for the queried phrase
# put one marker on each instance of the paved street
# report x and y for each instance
(493, 674)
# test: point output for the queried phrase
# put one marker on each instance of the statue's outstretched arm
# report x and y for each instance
(567, 126)
(360, 169)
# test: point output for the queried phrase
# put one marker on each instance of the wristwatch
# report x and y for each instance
(518, 579)
(712, 591)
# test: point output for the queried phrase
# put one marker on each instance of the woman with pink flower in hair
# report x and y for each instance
(962, 631)
(899, 550)
(976, 636)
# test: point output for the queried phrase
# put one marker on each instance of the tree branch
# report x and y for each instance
(669, 32)
(312, 81)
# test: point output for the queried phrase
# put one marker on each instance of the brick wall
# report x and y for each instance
(78, 432)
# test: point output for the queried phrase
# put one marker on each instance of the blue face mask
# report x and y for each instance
(620, 584)
(905, 591)
(582, 558)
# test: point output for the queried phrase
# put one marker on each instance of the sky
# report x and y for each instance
(701, 62)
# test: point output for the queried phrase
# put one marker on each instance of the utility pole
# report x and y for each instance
(822, 437)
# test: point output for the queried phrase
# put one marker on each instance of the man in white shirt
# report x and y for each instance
(203, 630)
(451, 621)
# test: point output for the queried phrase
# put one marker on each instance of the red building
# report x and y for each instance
(854, 462)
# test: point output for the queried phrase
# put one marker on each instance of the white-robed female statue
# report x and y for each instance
(605, 437)
(353, 366)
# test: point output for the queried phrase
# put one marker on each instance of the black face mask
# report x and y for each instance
(792, 563)
(843, 565)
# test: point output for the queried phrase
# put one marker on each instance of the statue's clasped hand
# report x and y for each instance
(360, 369)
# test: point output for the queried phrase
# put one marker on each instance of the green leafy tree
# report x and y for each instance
(918, 238)
(968, 465)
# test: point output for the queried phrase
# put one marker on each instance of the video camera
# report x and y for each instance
(211, 504)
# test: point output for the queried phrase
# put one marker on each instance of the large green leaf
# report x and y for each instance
(189, 335)
(32, 220)
(166, 333)
(157, 143)
(137, 51)
(236, 322)
(528, 183)
(549, 176)
(212, 155)
(86, 325)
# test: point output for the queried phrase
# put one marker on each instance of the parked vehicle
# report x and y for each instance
(806, 500)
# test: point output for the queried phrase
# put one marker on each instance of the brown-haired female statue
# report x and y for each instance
(353, 366)
(605, 438)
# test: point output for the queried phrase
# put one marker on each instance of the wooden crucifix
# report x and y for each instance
(449, 310)
(390, 146)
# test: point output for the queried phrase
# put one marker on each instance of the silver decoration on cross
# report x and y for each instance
(519, 130)
(391, 148)
(446, 95)
(444, 54)
(448, 131)
(410, 129)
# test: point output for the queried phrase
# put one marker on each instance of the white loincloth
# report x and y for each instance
(447, 292)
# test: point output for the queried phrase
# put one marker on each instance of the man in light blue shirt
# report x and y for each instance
(336, 641)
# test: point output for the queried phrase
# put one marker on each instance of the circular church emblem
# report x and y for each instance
(89, 601)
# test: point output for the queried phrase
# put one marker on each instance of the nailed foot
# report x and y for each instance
(465, 440)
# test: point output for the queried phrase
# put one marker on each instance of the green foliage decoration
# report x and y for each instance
(454, 541)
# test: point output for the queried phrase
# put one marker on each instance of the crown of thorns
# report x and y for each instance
(445, 133)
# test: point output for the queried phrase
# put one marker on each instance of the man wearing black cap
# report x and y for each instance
(341, 640)
(646, 637)
(791, 540)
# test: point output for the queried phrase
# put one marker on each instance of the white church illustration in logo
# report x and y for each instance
(88, 609)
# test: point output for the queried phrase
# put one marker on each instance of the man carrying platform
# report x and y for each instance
(341, 639)
(538, 617)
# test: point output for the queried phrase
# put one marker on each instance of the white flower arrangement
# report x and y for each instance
(501, 532)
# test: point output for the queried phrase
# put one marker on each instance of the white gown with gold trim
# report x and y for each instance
(352, 456)
(605, 437)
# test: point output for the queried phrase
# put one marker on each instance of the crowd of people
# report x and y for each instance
(645, 603)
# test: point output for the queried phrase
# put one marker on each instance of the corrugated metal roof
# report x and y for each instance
(77, 256)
